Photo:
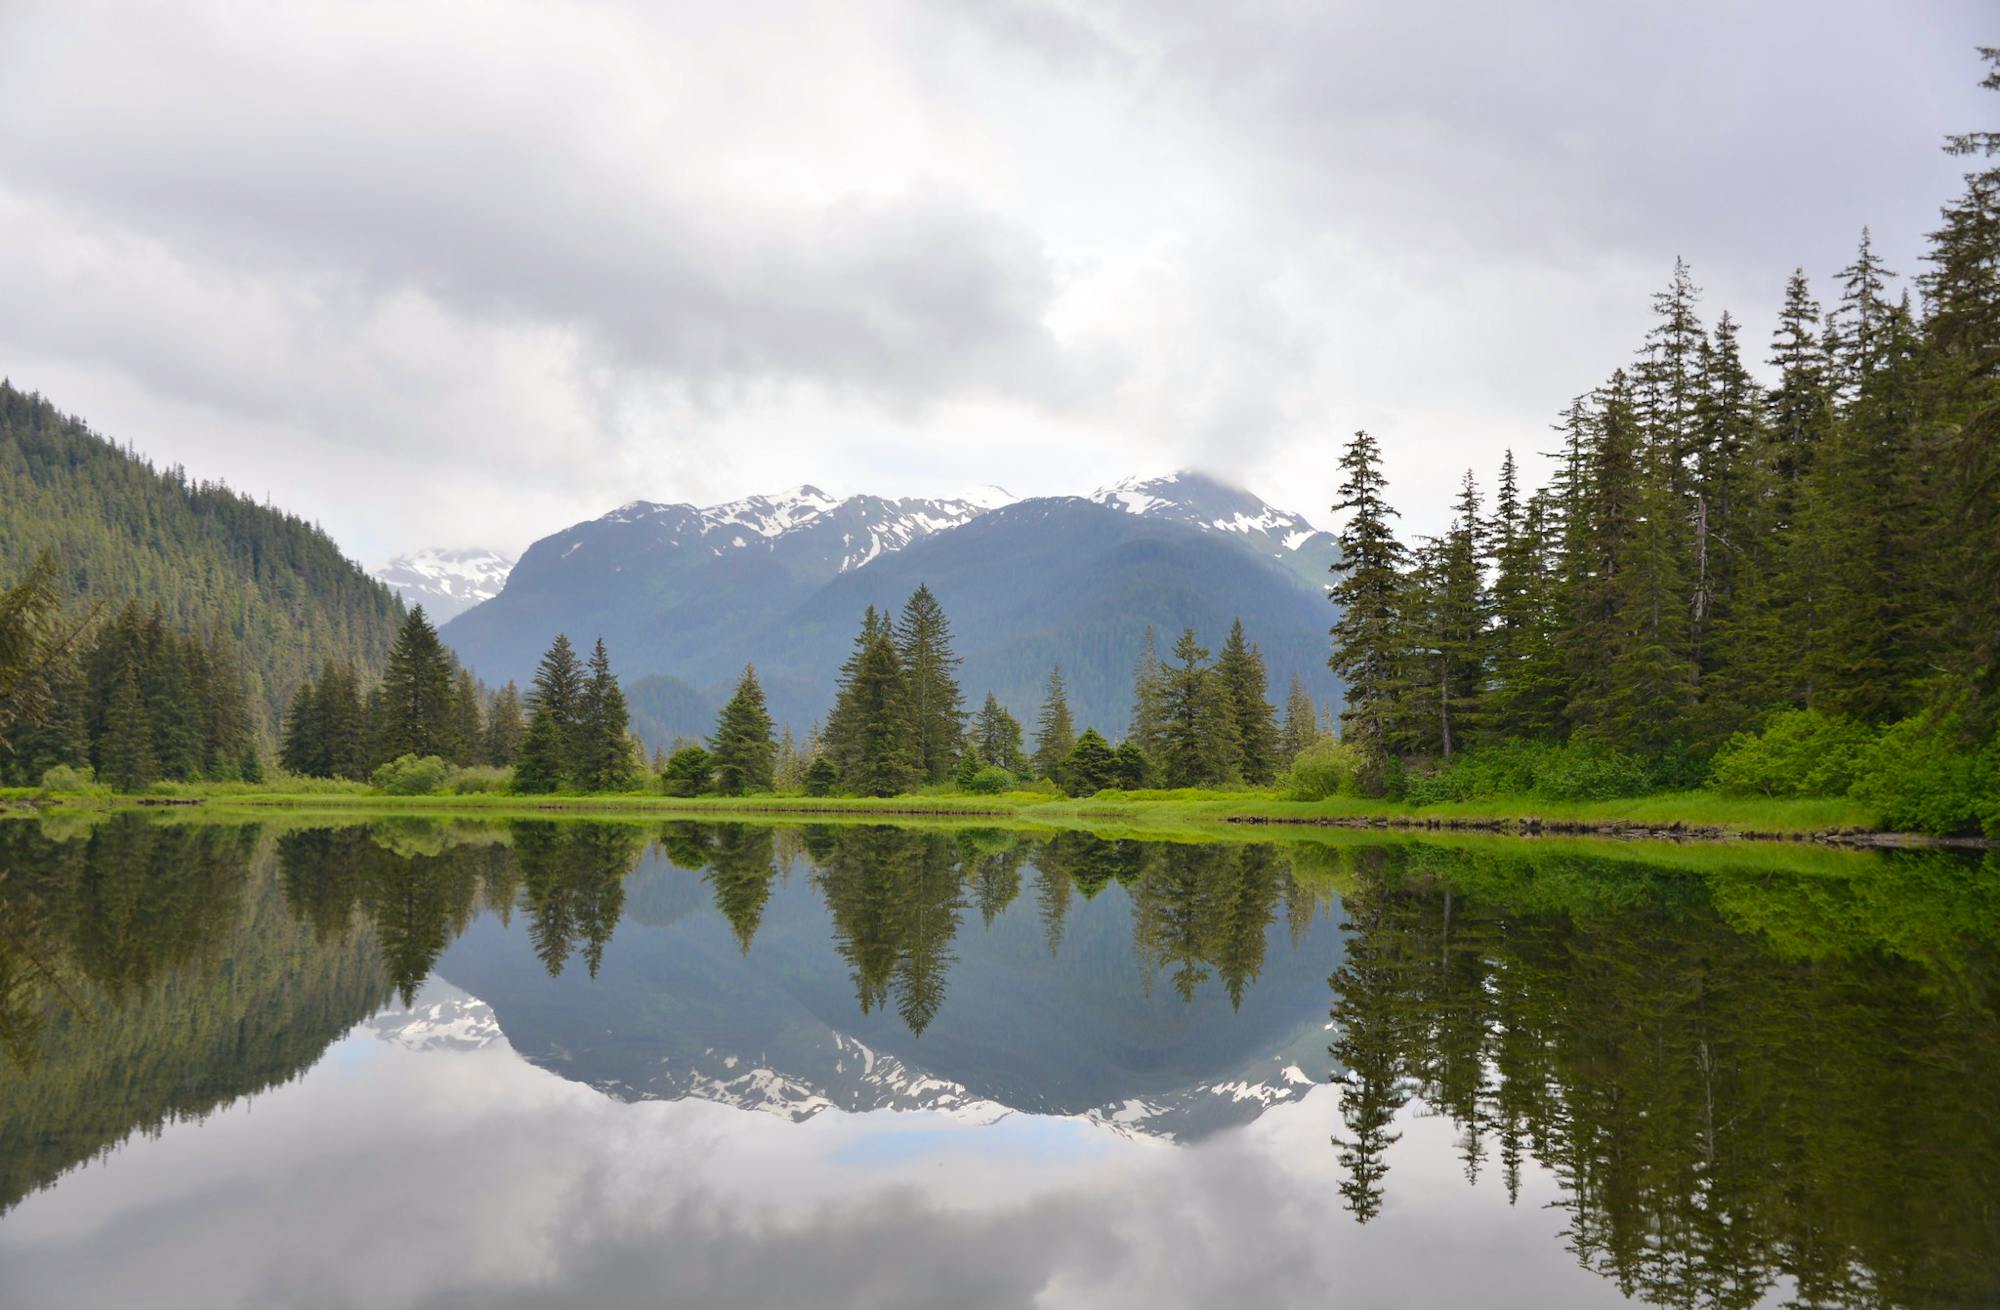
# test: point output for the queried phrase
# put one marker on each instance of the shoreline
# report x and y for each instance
(1668, 818)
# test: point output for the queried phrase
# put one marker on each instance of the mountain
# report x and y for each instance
(212, 559)
(670, 587)
(1059, 580)
(685, 597)
(446, 582)
(1200, 501)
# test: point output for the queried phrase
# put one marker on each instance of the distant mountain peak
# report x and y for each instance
(1206, 502)
(447, 582)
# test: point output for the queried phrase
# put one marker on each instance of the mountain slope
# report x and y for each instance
(1058, 580)
(1201, 501)
(210, 558)
(446, 582)
(667, 586)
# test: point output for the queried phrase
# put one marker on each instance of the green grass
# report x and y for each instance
(1147, 812)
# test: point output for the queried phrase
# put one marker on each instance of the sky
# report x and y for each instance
(462, 273)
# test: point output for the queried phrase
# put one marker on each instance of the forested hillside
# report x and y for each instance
(213, 561)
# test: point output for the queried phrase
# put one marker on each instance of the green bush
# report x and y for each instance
(1327, 769)
(688, 772)
(478, 779)
(990, 781)
(407, 775)
(1923, 776)
(1574, 771)
(63, 780)
(1040, 787)
(1799, 753)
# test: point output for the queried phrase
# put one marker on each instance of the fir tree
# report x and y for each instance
(923, 643)
(1368, 637)
(125, 751)
(1300, 732)
(741, 748)
(1054, 734)
(504, 727)
(550, 751)
(417, 692)
(997, 734)
(1148, 683)
(1240, 667)
(870, 734)
(468, 731)
(1090, 766)
(1199, 744)
(601, 758)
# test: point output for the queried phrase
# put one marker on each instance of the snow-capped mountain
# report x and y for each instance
(447, 582)
(805, 522)
(1200, 501)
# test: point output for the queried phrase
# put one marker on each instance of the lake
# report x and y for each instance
(408, 1063)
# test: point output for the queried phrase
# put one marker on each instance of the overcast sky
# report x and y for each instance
(464, 273)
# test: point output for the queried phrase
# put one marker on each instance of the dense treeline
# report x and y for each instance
(899, 723)
(137, 703)
(209, 559)
(1712, 552)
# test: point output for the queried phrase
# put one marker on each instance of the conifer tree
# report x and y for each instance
(1148, 681)
(542, 764)
(998, 736)
(1300, 732)
(870, 736)
(1090, 766)
(923, 644)
(1368, 637)
(741, 749)
(125, 751)
(1055, 735)
(550, 746)
(602, 748)
(504, 727)
(468, 731)
(1240, 667)
(417, 692)
(303, 751)
(1198, 744)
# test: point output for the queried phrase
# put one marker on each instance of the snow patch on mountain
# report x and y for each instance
(1203, 502)
(446, 582)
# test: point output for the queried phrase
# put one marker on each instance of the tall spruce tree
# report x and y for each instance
(505, 727)
(1198, 745)
(1368, 637)
(125, 750)
(870, 735)
(601, 758)
(1240, 666)
(923, 643)
(556, 705)
(1148, 683)
(997, 734)
(417, 692)
(741, 752)
(1300, 732)
(1055, 732)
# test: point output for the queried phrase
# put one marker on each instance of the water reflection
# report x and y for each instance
(1749, 1075)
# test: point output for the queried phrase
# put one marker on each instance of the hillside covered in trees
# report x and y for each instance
(214, 563)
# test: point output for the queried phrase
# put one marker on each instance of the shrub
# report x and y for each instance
(821, 775)
(1040, 787)
(1799, 753)
(990, 781)
(1923, 776)
(67, 781)
(1575, 771)
(407, 775)
(475, 779)
(688, 772)
(1329, 768)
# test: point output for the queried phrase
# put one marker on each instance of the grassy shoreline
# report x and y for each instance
(1675, 816)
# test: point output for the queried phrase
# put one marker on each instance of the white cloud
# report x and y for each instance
(461, 273)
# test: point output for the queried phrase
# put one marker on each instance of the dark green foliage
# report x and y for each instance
(1369, 637)
(997, 734)
(505, 727)
(821, 776)
(272, 586)
(923, 644)
(1091, 766)
(31, 646)
(417, 693)
(600, 741)
(125, 756)
(690, 771)
(542, 765)
(741, 750)
(1131, 767)
(1055, 734)
(870, 735)
(1199, 742)
(1240, 668)
(1300, 731)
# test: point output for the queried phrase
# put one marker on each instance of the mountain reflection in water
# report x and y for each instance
(1739, 1074)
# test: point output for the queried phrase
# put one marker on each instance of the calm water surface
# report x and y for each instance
(525, 1064)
